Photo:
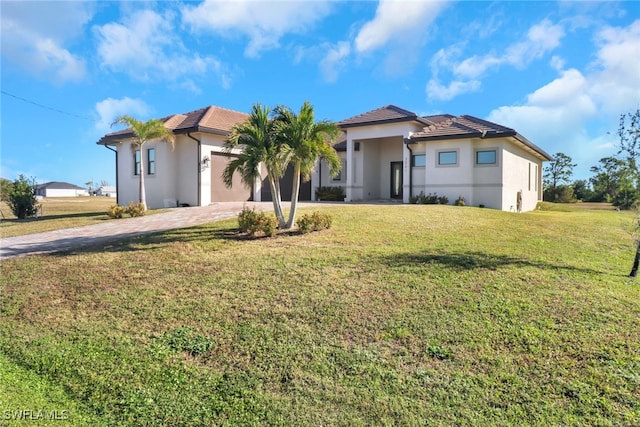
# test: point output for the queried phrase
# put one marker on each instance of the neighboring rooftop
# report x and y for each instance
(211, 119)
(57, 185)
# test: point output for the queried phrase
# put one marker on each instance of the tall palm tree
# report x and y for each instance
(255, 139)
(144, 132)
(306, 141)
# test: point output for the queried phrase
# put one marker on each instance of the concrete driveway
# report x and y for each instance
(110, 231)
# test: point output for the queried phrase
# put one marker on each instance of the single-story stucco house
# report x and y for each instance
(59, 189)
(388, 153)
(107, 191)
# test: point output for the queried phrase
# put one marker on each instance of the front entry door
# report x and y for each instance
(396, 180)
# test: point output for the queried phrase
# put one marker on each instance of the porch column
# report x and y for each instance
(315, 179)
(406, 171)
(257, 186)
(349, 171)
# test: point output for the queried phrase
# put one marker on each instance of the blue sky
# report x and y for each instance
(560, 73)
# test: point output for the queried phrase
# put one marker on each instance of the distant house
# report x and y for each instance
(106, 190)
(59, 189)
(388, 153)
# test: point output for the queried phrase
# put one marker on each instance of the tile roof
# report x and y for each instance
(211, 119)
(469, 127)
(386, 114)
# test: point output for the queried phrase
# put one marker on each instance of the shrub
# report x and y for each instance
(460, 201)
(315, 222)
(429, 199)
(135, 209)
(22, 200)
(116, 211)
(560, 194)
(333, 194)
(251, 222)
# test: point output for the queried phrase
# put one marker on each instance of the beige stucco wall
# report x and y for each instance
(521, 172)
(493, 186)
(370, 169)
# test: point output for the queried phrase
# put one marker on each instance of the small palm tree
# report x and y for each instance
(255, 138)
(306, 141)
(145, 132)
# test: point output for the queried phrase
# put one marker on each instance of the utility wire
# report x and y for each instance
(45, 106)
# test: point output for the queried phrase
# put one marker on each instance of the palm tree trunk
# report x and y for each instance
(294, 196)
(143, 195)
(636, 261)
(277, 201)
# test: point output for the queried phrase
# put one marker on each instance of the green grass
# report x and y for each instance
(58, 213)
(398, 315)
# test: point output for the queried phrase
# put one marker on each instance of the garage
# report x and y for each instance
(286, 185)
(238, 192)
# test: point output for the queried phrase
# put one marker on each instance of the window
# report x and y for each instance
(487, 157)
(342, 174)
(418, 160)
(447, 158)
(151, 160)
(136, 163)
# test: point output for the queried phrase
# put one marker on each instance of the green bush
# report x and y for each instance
(331, 194)
(560, 194)
(22, 200)
(116, 211)
(251, 222)
(135, 209)
(314, 222)
(429, 199)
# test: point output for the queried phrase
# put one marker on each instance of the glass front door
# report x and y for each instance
(396, 180)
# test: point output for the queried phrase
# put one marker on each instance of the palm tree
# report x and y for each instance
(143, 133)
(255, 138)
(306, 141)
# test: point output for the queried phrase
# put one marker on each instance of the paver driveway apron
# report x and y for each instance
(76, 238)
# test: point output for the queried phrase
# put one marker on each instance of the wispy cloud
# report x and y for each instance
(37, 42)
(467, 73)
(558, 114)
(109, 109)
(146, 46)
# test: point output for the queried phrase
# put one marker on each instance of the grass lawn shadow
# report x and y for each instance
(463, 261)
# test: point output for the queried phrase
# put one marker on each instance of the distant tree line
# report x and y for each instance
(616, 178)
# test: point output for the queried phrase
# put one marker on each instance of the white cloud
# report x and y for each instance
(541, 38)
(440, 92)
(146, 47)
(616, 82)
(333, 61)
(560, 115)
(399, 29)
(34, 35)
(264, 22)
(109, 109)
(397, 20)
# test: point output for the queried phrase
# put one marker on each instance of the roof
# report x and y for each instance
(211, 119)
(56, 185)
(465, 126)
(383, 115)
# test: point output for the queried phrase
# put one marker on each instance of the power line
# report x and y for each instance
(46, 107)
